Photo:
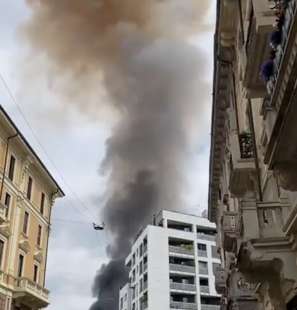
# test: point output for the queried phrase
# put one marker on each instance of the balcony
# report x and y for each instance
(206, 237)
(256, 49)
(202, 253)
(204, 289)
(181, 250)
(182, 268)
(182, 287)
(203, 270)
(231, 225)
(183, 305)
(220, 280)
(210, 307)
(28, 292)
(242, 164)
(280, 109)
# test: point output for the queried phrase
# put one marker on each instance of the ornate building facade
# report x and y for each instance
(253, 160)
(27, 194)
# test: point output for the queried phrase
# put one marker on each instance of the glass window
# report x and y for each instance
(42, 201)
(39, 235)
(35, 276)
(11, 168)
(1, 251)
(26, 222)
(21, 265)
(7, 204)
(29, 188)
(201, 247)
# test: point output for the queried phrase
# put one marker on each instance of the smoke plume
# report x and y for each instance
(154, 80)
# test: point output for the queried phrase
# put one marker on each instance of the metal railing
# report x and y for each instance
(183, 305)
(31, 287)
(202, 253)
(281, 50)
(203, 270)
(210, 307)
(181, 250)
(246, 145)
(183, 287)
(206, 237)
(182, 268)
(204, 289)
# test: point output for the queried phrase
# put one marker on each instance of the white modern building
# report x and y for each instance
(172, 265)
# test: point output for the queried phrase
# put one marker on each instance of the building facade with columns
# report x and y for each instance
(253, 160)
(27, 195)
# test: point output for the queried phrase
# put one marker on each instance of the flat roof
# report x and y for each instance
(27, 144)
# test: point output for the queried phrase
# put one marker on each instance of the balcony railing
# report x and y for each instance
(183, 287)
(203, 270)
(246, 145)
(38, 293)
(183, 305)
(206, 237)
(281, 50)
(181, 250)
(202, 253)
(204, 289)
(210, 307)
(182, 268)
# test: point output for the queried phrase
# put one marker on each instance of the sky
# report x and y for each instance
(72, 146)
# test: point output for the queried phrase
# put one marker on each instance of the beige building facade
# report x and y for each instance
(27, 193)
(253, 160)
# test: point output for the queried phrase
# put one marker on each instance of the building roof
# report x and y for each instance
(8, 119)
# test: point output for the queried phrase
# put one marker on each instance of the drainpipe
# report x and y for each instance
(5, 162)
(252, 126)
(47, 243)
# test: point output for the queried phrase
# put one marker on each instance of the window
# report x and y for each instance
(36, 273)
(203, 268)
(1, 252)
(21, 265)
(7, 204)
(26, 222)
(11, 168)
(39, 235)
(201, 247)
(29, 188)
(42, 201)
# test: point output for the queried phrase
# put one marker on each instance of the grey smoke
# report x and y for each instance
(155, 82)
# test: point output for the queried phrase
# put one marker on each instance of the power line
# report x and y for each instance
(13, 99)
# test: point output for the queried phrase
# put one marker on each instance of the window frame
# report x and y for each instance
(7, 206)
(11, 168)
(36, 273)
(20, 271)
(39, 236)
(2, 255)
(29, 191)
(26, 223)
(42, 203)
